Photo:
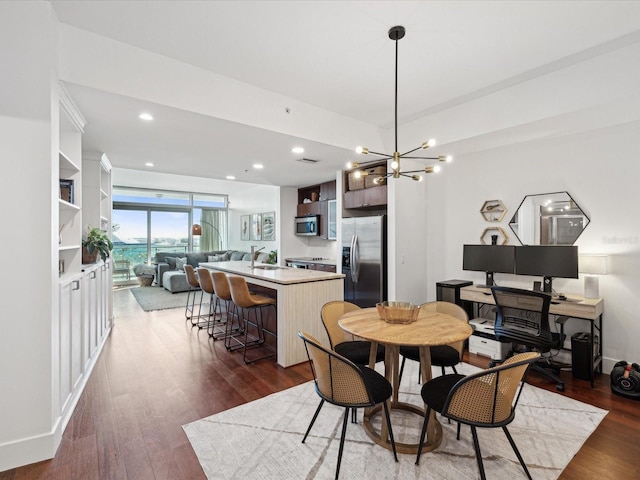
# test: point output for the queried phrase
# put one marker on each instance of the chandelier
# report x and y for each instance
(396, 33)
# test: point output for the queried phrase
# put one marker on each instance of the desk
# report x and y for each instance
(430, 329)
(577, 306)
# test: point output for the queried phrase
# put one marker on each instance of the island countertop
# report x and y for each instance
(273, 273)
(300, 295)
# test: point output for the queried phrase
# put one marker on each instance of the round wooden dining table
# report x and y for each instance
(430, 329)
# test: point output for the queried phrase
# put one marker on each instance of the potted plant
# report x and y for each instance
(96, 243)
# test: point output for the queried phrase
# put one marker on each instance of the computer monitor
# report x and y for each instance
(547, 261)
(489, 259)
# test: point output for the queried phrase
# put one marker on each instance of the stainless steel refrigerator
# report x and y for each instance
(364, 258)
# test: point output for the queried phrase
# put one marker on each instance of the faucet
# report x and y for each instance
(253, 254)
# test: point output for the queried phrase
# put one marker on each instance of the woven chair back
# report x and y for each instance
(487, 398)
(330, 314)
(337, 380)
(221, 285)
(452, 309)
(206, 283)
(192, 279)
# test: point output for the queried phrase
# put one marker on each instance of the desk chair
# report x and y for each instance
(441, 355)
(345, 384)
(486, 399)
(522, 318)
(341, 342)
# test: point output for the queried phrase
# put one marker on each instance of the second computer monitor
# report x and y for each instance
(547, 261)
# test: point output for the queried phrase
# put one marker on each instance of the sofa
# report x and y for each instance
(170, 265)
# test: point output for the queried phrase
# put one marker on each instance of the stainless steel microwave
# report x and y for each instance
(307, 225)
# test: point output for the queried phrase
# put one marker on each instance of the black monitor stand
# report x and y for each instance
(488, 281)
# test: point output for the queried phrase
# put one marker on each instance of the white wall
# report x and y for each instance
(28, 147)
(599, 169)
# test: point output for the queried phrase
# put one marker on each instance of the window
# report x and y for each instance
(147, 221)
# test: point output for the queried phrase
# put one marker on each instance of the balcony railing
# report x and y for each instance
(137, 253)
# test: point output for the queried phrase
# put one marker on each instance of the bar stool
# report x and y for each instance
(206, 283)
(223, 294)
(249, 302)
(194, 286)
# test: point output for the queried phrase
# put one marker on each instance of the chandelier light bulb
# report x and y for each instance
(362, 150)
(351, 165)
(445, 158)
(429, 143)
(357, 174)
(394, 165)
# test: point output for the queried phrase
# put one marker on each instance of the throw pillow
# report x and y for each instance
(180, 263)
(171, 261)
(216, 258)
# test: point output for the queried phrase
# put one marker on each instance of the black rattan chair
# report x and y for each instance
(343, 383)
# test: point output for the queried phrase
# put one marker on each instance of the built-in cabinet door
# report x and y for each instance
(90, 280)
(70, 340)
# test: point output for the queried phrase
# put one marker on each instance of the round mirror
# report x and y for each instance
(548, 219)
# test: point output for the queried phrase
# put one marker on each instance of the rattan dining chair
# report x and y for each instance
(343, 383)
(486, 399)
(341, 342)
(441, 355)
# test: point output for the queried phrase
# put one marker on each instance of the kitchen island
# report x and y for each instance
(300, 295)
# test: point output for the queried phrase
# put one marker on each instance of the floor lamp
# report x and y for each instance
(593, 265)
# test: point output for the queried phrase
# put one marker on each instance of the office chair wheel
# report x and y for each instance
(560, 387)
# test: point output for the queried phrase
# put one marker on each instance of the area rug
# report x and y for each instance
(158, 298)
(262, 439)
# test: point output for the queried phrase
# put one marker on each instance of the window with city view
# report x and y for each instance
(147, 221)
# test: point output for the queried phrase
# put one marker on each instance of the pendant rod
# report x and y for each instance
(396, 98)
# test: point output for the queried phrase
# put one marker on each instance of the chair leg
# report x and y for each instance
(516, 451)
(458, 431)
(315, 415)
(388, 417)
(476, 445)
(442, 370)
(354, 415)
(404, 359)
(454, 369)
(344, 431)
(423, 434)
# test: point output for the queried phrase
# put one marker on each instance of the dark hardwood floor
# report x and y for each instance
(158, 373)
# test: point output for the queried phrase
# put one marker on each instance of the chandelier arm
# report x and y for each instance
(410, 151)
(380, 155)
(423, 158)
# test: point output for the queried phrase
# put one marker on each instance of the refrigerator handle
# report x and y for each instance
(355, 267)
(352, 261)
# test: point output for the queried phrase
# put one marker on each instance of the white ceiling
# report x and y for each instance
(334, 55)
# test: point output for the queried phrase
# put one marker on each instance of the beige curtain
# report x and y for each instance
(214, 230)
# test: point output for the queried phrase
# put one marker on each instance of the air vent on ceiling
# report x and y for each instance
(307, 160)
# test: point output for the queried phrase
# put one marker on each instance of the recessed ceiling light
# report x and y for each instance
(145, 116)
(230, 177)
(149, 164)
(258, 166)
(297, 150)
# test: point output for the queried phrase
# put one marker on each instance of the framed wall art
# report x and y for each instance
(256, 226)
(269, 226)
(245, 227)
